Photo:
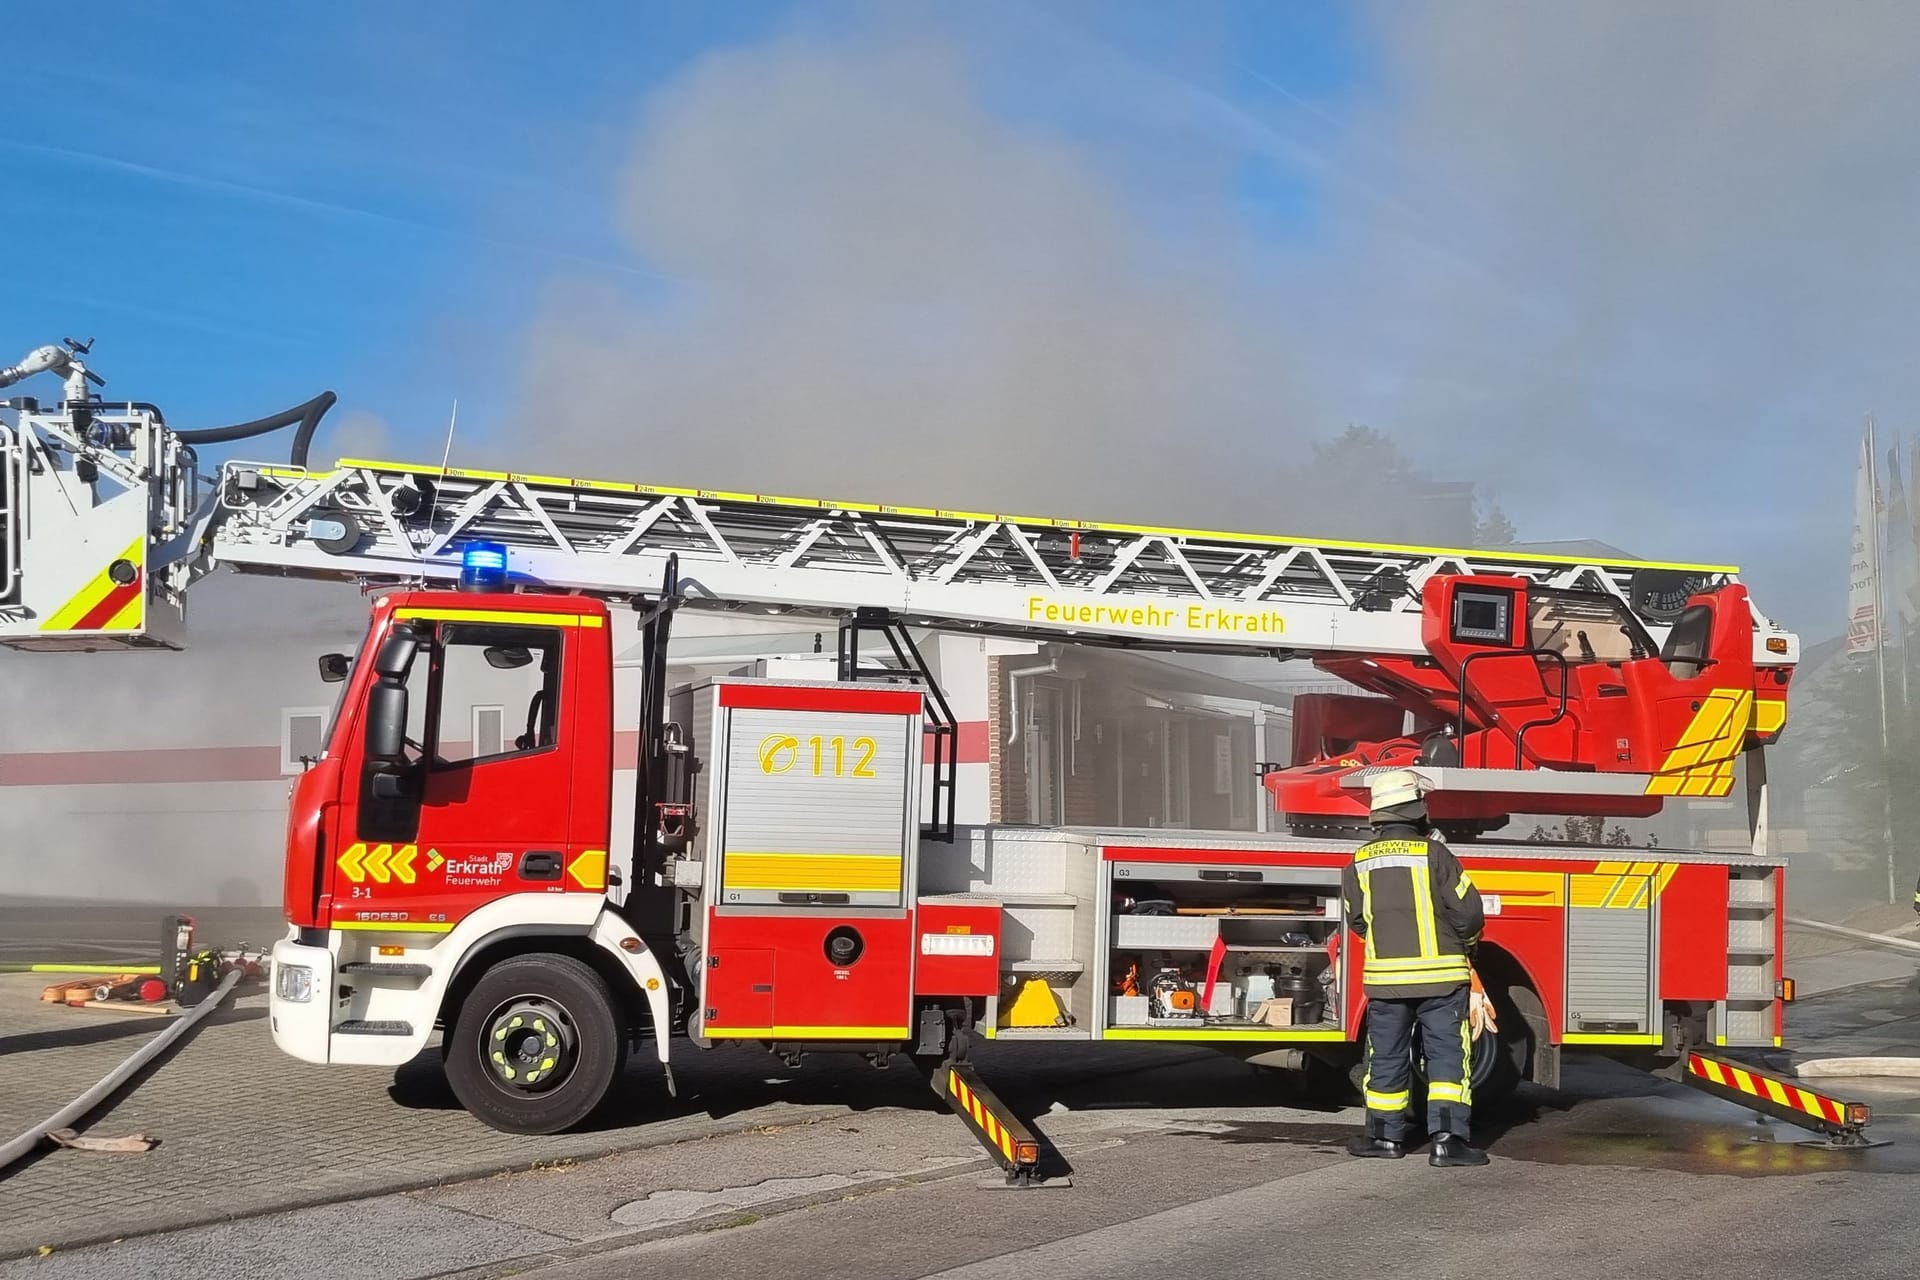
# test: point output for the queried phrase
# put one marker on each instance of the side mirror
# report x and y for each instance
(506, 657)
(396, 653)
(386, 739)
(334, 667)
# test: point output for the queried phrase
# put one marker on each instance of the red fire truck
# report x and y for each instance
(795, 877)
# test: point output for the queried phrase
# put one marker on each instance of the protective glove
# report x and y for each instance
(1479, 1008)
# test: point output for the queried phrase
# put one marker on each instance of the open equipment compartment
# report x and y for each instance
(1220, 943)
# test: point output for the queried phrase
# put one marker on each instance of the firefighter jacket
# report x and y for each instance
(1418, 911)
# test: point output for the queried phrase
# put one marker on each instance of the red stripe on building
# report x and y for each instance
(972, 736)
(166, 764)
(262, 764)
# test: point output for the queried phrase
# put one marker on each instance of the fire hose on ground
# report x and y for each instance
(113, 1080)
(1869, 1066)
(1860, 935)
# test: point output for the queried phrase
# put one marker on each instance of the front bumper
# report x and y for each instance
(301, 1027)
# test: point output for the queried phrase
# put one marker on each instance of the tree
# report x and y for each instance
(1831, 774)
(1360, 484)
(1491, 527)
(1588, 830)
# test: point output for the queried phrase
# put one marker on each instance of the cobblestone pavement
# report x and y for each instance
(244, 1129)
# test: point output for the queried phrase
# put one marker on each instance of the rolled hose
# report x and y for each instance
(308, 415)
(86, 1102)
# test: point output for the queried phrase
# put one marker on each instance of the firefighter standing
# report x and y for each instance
(1421, 917)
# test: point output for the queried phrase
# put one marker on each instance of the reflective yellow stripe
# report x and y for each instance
(1460, 890)
(1466, 1062)
(522, 617)
(1386, 1101)
(804, 1033)
(813, 872)
(1417, 978)
(394, 926)
(776, 500)
(1584, 1037)
(1366, 904)
(1423, 910)
(1447, 1091)
(98, 588)
(1269, 1035)
(1402, 964)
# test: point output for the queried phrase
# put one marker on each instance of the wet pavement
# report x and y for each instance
(1183, 1162)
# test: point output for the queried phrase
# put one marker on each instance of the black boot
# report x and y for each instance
(1450, 1151)
(1369, 1147)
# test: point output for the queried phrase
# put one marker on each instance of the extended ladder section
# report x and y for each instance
(104, 526)
(1011, 575)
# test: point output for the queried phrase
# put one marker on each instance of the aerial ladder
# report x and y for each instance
(1514, 682)
(1559, 684)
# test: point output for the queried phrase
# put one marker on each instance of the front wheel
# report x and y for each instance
(535, 1046)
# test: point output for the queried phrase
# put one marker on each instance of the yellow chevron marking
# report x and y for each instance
(589, 870)
(350, 863)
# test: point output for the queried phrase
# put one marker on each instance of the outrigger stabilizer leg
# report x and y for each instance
(1842, 1123)
(1012, 1145)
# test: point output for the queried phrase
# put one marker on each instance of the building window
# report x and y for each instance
(487, 732)
(302, 737)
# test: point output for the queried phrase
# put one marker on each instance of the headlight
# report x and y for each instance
(293, 982)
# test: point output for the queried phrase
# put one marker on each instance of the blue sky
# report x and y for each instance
(1113, 260)
(367, 197)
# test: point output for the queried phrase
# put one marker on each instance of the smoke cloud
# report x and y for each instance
(881, 290)
(1637, 270)
(1644, 267)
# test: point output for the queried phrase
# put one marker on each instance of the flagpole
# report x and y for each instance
(1905, 561)
(1880, 662)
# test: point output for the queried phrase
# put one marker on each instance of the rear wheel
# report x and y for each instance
(535, 1046)
(1503, 1060)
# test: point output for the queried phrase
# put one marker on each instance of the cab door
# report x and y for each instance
(479, 805)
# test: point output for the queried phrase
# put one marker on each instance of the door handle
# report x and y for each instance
(540, 864)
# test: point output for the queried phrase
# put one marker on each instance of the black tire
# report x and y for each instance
(1516, 1008)
(550, 1019)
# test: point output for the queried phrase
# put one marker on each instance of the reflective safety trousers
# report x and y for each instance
(1445, 1044)
(1418, 911)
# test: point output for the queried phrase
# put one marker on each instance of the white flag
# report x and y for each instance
(1863, 615)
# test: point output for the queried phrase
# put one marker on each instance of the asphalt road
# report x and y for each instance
(47, 930)
(1193, 1165)
(1187, 1164)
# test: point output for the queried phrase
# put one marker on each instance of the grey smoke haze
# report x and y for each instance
(1636, 268)
(883, 290)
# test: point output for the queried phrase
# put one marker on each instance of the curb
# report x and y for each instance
(1832, 1068)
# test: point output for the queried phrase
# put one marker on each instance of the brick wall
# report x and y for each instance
(1006, 766)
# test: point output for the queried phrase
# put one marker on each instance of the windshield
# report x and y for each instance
(1586, 627)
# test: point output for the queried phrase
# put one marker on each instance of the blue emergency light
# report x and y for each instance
(483, 566)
